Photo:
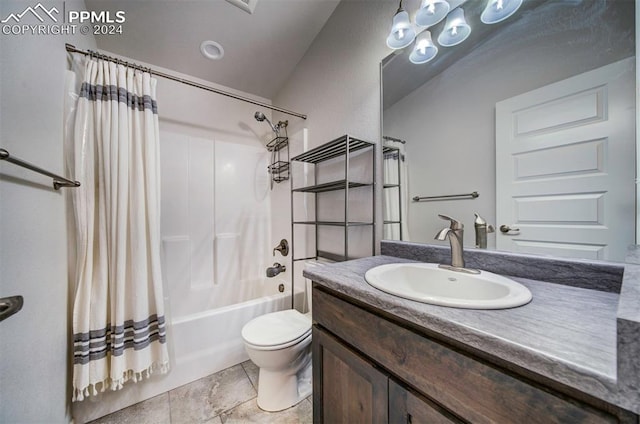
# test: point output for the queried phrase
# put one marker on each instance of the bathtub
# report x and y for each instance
(210, 341)
(199, 345)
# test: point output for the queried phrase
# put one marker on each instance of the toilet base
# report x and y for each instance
(278, 391)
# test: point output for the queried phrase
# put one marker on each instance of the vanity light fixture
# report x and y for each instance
(499, 10)
(402, 32)
(424, 50)
(456, 29)
(431, 12)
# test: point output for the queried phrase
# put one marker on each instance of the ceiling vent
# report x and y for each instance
(246, 5)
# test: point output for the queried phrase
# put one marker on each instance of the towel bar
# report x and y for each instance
(447, 197)
(58, 181)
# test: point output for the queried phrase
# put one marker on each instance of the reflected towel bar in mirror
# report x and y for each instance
(447, 197)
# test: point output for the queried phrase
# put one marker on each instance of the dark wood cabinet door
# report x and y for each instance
(408, 408)
(346, 388)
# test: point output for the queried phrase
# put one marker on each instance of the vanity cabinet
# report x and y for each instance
(370, 368)
(406, 407)
(357, 392)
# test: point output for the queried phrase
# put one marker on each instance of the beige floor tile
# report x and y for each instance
(248, 412)
(225, 397)
(252, 371)
(150, 411)
(205, 399)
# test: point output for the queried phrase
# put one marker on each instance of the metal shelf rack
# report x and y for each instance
(343, 147)
(394, 151)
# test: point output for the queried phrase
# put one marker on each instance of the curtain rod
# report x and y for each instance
(71, 48)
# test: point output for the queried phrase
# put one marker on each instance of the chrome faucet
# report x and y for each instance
(455, 233)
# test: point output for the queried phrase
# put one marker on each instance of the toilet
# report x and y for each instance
(279, 343)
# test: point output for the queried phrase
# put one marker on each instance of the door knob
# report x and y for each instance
(10, 306)
(507, 230)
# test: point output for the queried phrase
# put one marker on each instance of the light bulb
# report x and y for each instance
(424, 50)
(431, 12)
(499, 10)
(402, 32)
(456, 29)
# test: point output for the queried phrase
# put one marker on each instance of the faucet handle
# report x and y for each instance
(283, 248)
(455, 224)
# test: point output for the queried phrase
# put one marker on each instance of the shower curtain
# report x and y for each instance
(113, 149)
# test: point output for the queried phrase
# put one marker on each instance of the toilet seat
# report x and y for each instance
(277, 330)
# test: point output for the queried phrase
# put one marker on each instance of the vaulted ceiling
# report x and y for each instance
(260, 49)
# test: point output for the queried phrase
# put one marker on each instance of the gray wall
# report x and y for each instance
(337, 82)
(35, 343)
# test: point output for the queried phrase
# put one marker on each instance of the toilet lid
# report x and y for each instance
(276, 328)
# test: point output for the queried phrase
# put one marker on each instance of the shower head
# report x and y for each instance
(260, 117)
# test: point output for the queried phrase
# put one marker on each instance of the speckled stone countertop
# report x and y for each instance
(569, 334)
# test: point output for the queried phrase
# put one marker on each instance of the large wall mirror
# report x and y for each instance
(536, 114)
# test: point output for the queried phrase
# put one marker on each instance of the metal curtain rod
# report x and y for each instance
(71, 48)
(450, 197)
(58, 181)
(397, 140)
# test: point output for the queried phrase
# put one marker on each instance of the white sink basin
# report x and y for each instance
(427, 283)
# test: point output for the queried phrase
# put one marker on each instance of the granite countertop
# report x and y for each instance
(566, 333)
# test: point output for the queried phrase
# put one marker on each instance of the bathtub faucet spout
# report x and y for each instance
(274, 270)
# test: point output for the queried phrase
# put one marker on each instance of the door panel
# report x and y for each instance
(565, 168)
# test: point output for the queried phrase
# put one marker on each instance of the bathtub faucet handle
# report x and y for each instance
(283, 248)
(274, 270)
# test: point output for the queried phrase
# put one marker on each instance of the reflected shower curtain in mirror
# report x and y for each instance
(395, 198)
(113, 149)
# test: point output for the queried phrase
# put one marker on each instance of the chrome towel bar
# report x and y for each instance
(447, 197)
(58, 181)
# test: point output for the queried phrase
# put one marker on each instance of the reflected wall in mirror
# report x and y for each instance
(550, 92)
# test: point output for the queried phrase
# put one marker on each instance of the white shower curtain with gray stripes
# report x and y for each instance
(113, 149)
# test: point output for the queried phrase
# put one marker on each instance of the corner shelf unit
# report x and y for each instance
(388, 150)
(342, 147)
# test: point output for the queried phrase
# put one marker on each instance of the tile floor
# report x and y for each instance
(228, 396)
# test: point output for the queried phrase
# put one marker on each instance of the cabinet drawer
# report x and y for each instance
(476, 391)
(407, 408)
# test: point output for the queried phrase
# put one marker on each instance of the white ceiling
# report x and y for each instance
(261, 49)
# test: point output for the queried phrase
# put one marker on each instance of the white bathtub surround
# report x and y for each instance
(215, 222)
(118, 314)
